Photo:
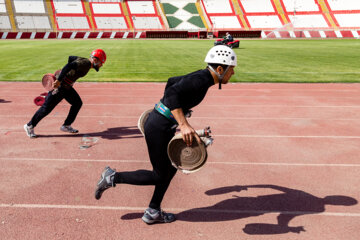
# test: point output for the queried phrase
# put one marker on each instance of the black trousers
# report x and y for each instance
(69, 94)
(158, 134)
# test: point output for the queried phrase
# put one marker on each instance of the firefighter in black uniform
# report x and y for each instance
(181, 94)
(76, 68)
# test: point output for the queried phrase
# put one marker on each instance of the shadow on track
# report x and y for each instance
(110, 133)
(4, 101)
(289, 204)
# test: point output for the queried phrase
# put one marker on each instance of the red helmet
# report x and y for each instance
(100, 54)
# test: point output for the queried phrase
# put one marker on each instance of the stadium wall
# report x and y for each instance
(146, 18)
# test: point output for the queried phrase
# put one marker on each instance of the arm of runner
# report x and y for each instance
(67, 68)
(56, 84)
(186, 130)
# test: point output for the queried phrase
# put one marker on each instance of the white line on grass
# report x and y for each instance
(140, 209)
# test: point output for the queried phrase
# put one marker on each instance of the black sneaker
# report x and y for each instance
(157, 216)
(106, 181)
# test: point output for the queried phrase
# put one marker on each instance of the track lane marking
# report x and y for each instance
(124, 208)
(209, 162)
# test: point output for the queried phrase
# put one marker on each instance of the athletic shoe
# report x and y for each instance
(30, 131)
(106, 181)
(69, 129)
(157, 216)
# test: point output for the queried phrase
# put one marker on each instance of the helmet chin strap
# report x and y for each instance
(220, 76)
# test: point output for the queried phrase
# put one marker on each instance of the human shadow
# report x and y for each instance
(289, 204)
(4, 101)
(110, 133)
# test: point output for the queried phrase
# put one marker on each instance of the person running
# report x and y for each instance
(76, 68)
(181, 94)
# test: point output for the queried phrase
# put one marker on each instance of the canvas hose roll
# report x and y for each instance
(48, 81)
(142, 119)
(40, 100)
(189, 159)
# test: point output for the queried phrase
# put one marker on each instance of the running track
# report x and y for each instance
(279, 150)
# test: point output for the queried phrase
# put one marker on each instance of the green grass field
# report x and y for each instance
(157, 60)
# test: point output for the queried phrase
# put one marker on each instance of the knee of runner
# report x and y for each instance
(78, 104)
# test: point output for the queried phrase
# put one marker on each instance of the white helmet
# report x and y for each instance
(221, 54)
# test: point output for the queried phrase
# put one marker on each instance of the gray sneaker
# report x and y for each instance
(69, 129)
(30, 131)
(106, 181)
(157, 216)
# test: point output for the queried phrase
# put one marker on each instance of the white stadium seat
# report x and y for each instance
(308, 21)
(217, 6)
(349, 20)
(258, 6)
(33, 22)
(225, 22)
(5, 22)
(2, 6)
(68, 6)
(72, 23)
(341, 5)
(264, 22)
(110, 23)
(300, 5)
(29, 6)
(141, 7)
(106, 8)
(146, 22)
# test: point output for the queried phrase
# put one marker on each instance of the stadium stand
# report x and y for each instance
(29, 15)
(109, 15)
(183, 15)
(345, 13)
(221, 14)
(4, 17)
(305, 14)
(183, 18)
(144, 15)
(70, 15)
(261, 14)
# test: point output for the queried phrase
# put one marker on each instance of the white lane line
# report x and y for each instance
(289, 136)
(73, 160)
(204, 117)
(2, 131)
(209, 162)
(124, 208)
(260, 90)
(211, 96)
(289, 164)
(205, 105)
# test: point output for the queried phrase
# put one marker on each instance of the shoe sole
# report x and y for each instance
(69, 131)
(148, 221)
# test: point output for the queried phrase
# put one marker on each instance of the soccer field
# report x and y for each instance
(157, 60)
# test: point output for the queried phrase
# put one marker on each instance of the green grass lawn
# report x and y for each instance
(156, 60)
